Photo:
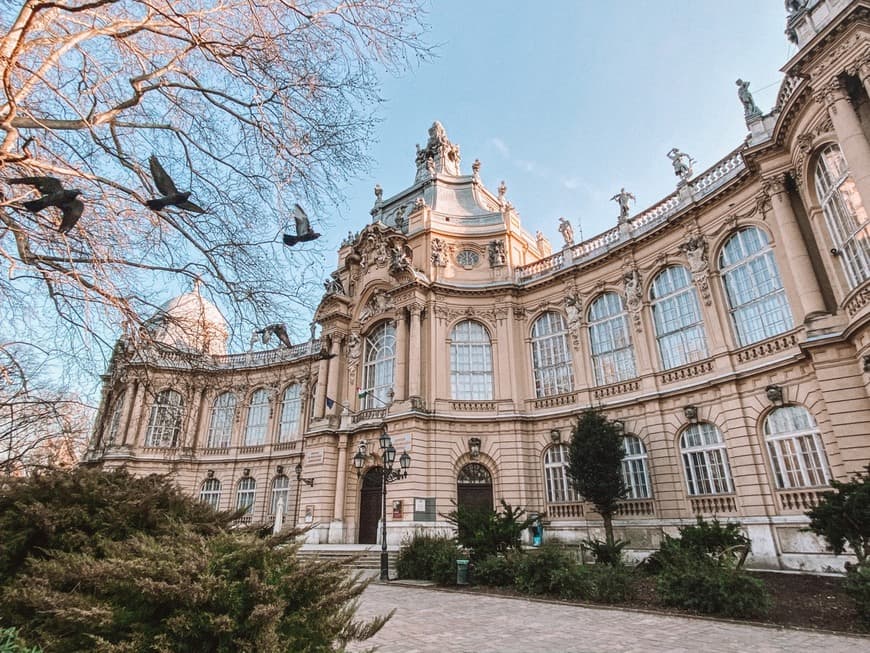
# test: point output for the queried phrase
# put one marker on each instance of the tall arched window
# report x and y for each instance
(291, 408)
(612, 353)
(210, 493)
(635, 472)
(794, 443)
(220, 428)
(845, 214)
(246, 493)
(559, 487)
(677, 318)
(164, 423)
(280, 492)
(379, 364)
(551, 355)
(705, 460)
(470, 362)
(258, 418)
(756, 298)
(115, 419)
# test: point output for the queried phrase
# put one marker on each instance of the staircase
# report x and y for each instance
(363, 557)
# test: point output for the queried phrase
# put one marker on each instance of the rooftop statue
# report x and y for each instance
(624, 199)
(794, 6)
(682, 163)
(567, 231)
(750, 109)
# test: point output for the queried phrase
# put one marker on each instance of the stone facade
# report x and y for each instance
(726, 326)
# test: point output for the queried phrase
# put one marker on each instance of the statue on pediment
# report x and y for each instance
(333, 285)
(567, 231)
(379, 303)
(750, 109)
(682, 163)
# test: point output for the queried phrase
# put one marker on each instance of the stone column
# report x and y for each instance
(199, 423)
(414, 362)
(808, 291)
(134, 422)
(850, 135)
(340, 476)
(332, 374)
(320, 390)
(400, 386)
(862, 71)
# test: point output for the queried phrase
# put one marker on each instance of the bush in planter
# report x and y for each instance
(604, 552)
(428, 557)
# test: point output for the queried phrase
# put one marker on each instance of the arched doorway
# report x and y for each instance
(474, 487)
(370, 506)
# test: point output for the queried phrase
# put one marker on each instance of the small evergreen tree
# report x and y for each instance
(843, 516)
(594, 464)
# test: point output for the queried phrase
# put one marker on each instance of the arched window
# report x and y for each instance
(220, 428)
(164, 423)
(291, 407)
(470, 362)
(794, 443)
(245, 496)
(844, 213)
(258, 418)
(612, 353)
(559, 487)
(759, 308)
(474, 487)
(280, 492)
(210, 493)
(378, 369)
(115, 419)
(705, 460)
(551, 355)
(635, 473)
(677, 318)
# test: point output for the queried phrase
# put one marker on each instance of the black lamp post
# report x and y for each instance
(388, 475)
(299, 481)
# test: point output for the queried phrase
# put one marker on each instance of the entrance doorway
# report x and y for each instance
(474, 487)
(370, 506)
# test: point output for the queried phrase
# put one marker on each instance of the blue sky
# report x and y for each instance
(568, 101)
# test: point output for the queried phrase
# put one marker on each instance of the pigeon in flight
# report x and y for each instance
(266, 333)
(171, 196)
(303, 228)
(54, 194)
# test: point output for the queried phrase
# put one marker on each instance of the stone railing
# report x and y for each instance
(290, 445)
(253, 448)
(858, 300)
(615, 389)
(572, 510)
(176, 359)
(465, 405)
(767, 347)
(713, 505)
(636, 508)
(564, 399)
(799, 500)
(686, 372)
(699, 188)
(369, 414)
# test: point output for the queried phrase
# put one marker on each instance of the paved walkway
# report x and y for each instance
(429, 620)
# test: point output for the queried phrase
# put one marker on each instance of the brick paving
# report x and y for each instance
(429, 620)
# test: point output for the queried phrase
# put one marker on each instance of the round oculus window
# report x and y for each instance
(468, 258)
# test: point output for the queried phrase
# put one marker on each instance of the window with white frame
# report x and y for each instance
(551, 355)
(164, 423)
(756, 298)
(210, 493)
(280, 492)
(635, 472)
(291, 408)
(612, 353)
(844, 213)
(115, 419)
(705, 460)
(797, 455)
(677, 318)
(245, 496)
(470, 362)
(379, 366)
(559, 488)
(220, 427)
(258, 418)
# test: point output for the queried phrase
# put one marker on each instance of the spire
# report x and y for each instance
(440, 156)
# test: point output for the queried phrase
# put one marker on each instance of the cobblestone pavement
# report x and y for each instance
(429, 620)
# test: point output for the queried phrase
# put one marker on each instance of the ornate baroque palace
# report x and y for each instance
(727, 327)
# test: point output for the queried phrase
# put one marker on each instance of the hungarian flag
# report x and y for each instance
(360, 393)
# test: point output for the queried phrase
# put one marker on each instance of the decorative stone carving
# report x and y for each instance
(439, 155)
(450, 313)
(633, 295)
(502, 191)
(475, 170)
(750, 110)
(439, 253)
(623, 199)
(496, 253)
(574, 311)
(400, 260)
(419, 203)
(399, 218)
(333, 285)
(379, 303)
(682, 163)
(379, 194)
(567, 231)
(695, 250)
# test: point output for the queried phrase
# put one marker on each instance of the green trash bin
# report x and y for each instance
(462, 572)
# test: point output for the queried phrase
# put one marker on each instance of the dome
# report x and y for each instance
(192, 323)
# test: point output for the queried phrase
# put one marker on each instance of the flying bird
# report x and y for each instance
(303, 228)
(266, 333)
(54, 194)
(171, 196)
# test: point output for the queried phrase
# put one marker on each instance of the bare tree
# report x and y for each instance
(249, 104)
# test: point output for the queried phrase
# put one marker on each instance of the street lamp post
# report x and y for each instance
(299, 481)
(388, 475)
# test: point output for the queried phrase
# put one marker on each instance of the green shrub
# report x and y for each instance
(858, 589)
(486, 533)
(842, 517)
(598, 583)
(428, 557)
(11, 643)
(604, 552)
(494, 571)
(706, 586)
(712, 540)
(533, 572)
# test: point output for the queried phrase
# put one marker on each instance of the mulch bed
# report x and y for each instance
(801, 600)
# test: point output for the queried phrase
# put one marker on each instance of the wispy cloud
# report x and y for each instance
(501, 146)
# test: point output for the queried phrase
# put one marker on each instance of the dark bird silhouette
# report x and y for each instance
(53, 194)
(303, 228)
(323, 354)
(265, 335)
(171, 195)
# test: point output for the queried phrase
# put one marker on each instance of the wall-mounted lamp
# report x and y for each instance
(308, 481)
(209, 473)
(474, 447)
(279, 469)
(691, 412)
(246, 471)
(555, 436)
(774, 393)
